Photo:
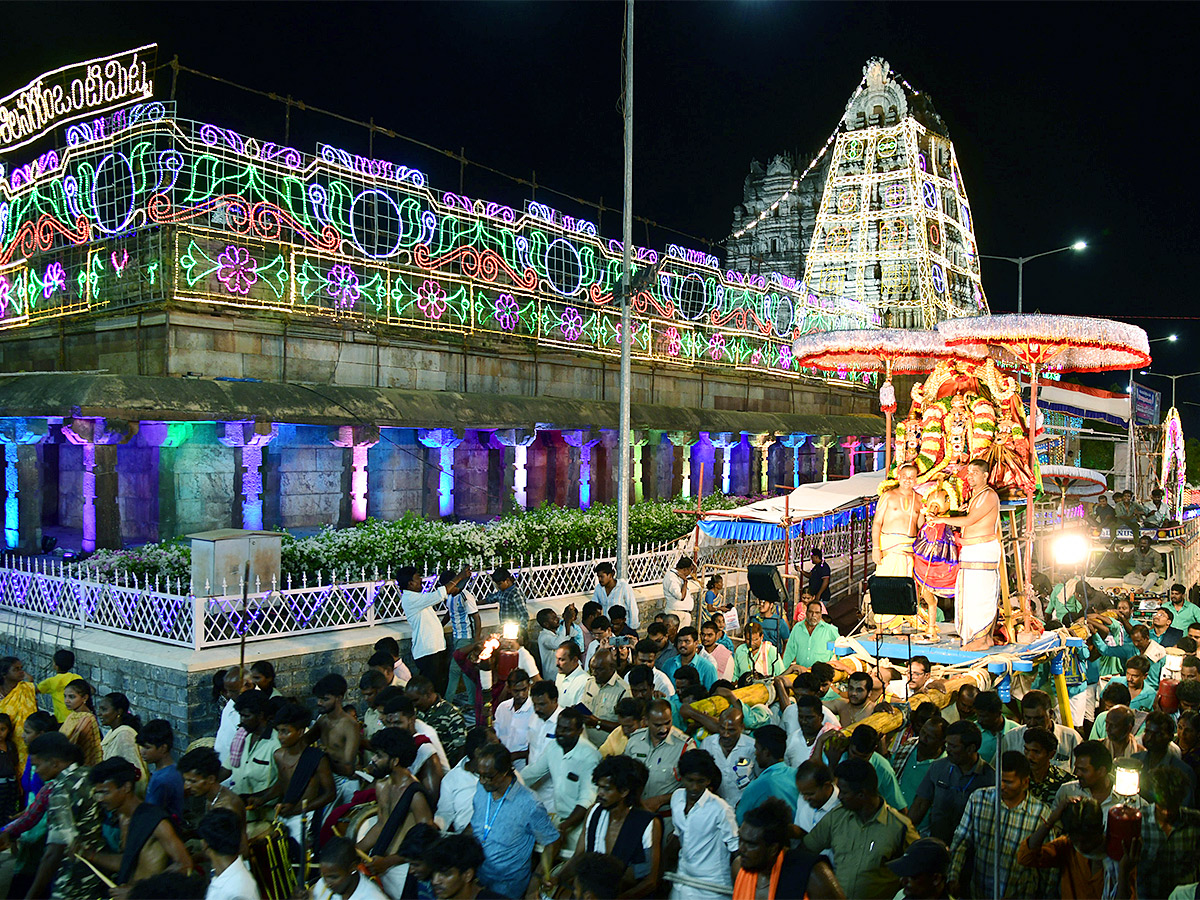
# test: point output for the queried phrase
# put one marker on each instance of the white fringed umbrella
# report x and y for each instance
(885, 350)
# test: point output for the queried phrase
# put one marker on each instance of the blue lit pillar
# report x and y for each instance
(444, 440)
(726, 441)
(22, 483)
(98, 439)
(795, 442)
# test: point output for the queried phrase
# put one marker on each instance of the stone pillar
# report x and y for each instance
(823, 444)
(851, 445)
(167, 438)
(519, 440)
(356, 440)
(98, 439)
(443, 440)
(248, 440)
(875, 447)
(584, 442)
(762, 443)
(795, 442)
(684, 440)
(637, 443)
(22, 484)
(726, 441)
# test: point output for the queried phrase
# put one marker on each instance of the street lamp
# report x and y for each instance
(1021, 260)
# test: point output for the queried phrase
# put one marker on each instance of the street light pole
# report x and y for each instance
(1174, 379)
(623, 424)
(1021, 260)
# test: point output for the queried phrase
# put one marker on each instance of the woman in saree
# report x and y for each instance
(18, 698)
(121, 740)
(81, 726)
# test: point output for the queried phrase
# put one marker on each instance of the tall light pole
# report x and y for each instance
(623, 436)
(1174, 378)
(1130, 469)
(1021, 260)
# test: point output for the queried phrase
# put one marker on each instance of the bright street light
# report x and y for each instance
(1174, 378)
(1021, 260)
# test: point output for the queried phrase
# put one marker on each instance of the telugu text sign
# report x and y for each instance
(74, 92)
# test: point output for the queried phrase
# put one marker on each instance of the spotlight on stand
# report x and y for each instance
(1124, 819)
(1071, 549)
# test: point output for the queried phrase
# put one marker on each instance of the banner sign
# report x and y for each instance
(1147, 405)
(74, 92)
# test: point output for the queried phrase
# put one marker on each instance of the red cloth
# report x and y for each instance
(366, 795)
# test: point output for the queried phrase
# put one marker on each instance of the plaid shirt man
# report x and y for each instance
(1168, 860)
(513, 607)
(978, 831)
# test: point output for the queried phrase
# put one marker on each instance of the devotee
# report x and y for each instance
(222, 839)
(465, 626)
(675, 585)
(1045, 778)
(818, 578)
(338, 732)
(733, 752)
(572, 677)
(440, 715)
(757, 657)
(631, 716)
(949, 782)
(721, 656)
(645, 654)
(1078, 853)
(1036, 709)
(1162, 627)
(454, 863)
(775, 777)
(993, 724)
(568, 761)
(403, 803)
(542, 730)
(913, 762)
(774, 626)
(818, 794)
(428, 646)
(856, 706)
(1146, 565)
(764, 852)
(165, 788)
(514, 716)
(922, 870)
(555, 630)
(603, 689)
(512, 603)
(687, 646)
(456, 798)
(613, 591)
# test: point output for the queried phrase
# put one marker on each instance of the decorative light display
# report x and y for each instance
(893, 230)
(1174, 463)
(201, 213)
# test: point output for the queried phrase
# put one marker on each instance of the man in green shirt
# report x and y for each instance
(809, 641)
(864, 834)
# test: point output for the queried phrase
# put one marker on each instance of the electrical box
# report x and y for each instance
(219, 560)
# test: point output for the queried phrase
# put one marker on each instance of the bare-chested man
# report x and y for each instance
(202, 773)
(892, 534)
(402, 804)
(339, 733)
(977, 590)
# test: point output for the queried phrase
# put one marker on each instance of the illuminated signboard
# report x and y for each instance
(74, 92)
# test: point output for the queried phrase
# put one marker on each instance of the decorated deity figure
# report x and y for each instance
(1008, 457)
(958, 431)
(908, 440)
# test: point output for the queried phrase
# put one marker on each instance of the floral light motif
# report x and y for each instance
(636, 328)
(571, 324)
(343, 286)
(785, 357)
(5, 287)
(716, 346)
(756, 357)
(431, 298)
(237, 270)
(674, 344)
(506, 312)
(56, 279)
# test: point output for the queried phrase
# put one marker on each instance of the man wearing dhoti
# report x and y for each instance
(977, 590)
(892, 533)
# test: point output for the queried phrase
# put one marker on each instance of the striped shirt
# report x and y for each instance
(461, 607)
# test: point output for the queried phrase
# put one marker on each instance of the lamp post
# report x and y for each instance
(1021, 260)
(1130, 468)
(1174, 378)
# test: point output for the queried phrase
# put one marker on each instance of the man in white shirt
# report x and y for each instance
(221, 833)
(733, 751)
(706, 828)
(601, 634)
(805, 729)
(613, 591)
(818, 795)
(340, 877)
(675, 590)
(514, 716)
(568, 761)
(230, 719)
(543, 696)
(600, 695)
(571, 678)
(645, 653)
(1035, 710)
(554, 631)
(457, 794)
(428, 636)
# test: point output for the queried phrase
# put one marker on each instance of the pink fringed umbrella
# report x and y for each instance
(1057, 343)
(885, 350)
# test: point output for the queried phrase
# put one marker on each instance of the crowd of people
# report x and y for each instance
(590, 754)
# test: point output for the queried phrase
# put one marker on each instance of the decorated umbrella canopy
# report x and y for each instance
(885, 350)
(1073, 481)
(1057, 343)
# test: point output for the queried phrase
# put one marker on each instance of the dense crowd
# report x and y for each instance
(587, 754)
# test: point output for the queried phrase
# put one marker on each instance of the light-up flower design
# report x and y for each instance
(785, 357)
(636, 326)
(55, 280)
(237, 270)
(716, 346)
(756, 357)
(343, 286)
(5, 287)
(571, 324)
(431, 298)
(674, 343)
(506, 312)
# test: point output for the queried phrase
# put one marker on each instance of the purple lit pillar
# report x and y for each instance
(98, 439)
(358, 440)
(444, 440)
(249, 439)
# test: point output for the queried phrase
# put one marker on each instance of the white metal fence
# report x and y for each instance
(170, 612)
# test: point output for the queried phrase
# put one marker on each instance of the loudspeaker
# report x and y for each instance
(765, 583)
(893, 595)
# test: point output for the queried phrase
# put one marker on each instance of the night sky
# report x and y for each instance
(1071, 121)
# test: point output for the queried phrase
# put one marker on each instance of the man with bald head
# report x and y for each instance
(604, 687)
(733, 751)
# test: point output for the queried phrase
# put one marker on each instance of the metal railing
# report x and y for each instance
(169, 611)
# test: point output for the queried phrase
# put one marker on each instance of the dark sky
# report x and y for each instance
(1070, 120)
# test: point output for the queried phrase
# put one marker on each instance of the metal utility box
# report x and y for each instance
(219, 560)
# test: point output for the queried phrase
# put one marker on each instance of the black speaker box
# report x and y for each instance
(892, 595)
(766, 584)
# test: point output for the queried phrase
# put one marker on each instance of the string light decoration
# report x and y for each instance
(893, 230)
(1174, 464)
(144, 206)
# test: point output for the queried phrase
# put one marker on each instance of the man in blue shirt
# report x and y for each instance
(165, 789)
(775, 629)
(508, 821)
(687, 645)
(776, 778)
(818, 578)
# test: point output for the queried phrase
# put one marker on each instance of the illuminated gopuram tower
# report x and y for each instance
(894, 229)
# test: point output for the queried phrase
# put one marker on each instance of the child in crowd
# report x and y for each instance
(165, 789)
(81, 726)
(64, 661)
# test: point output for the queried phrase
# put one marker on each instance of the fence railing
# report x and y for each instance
(169, 611)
